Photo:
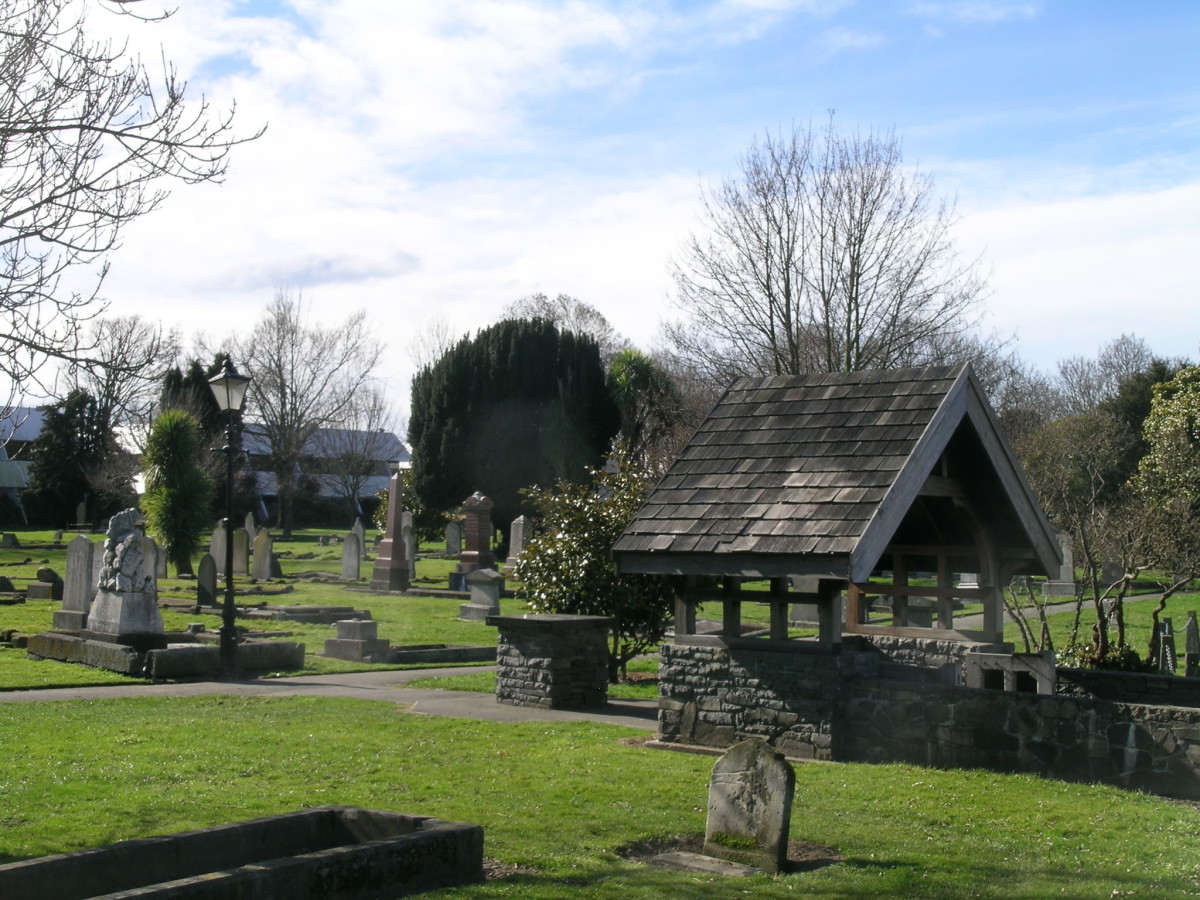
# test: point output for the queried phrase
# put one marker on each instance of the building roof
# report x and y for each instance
(815, 474)
(330, 442)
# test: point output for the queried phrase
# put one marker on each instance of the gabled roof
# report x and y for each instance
(814, 474)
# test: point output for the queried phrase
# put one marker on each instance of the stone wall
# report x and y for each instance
(1149, 748)
(1131, 687)
(552, 661)
(716, 696)
(845, 706)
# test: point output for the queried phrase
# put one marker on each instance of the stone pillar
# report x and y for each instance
(552, 661)
(391, 564)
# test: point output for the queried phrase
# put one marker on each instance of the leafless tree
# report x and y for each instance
(361, 448)
(1085, 383)
(569, 314)
(824, 253)
(88, 139)
(305, 377)
(429, 343)
(130, 355)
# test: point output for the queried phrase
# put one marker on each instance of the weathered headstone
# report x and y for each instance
(485, 586)
(263, 547)
(160, 561)
(361, 534)
(1191, 646)
(750, 806)
(453, 539)
(217, 548)
(150, 554)
(477, 535)
(58, 536)
(351, 557)
(81, 512)
(125, 610)
(250, 527)
(49, 585)
(408, 535)
(391, 565)
(78, 587)
(1064, 584)
(206, 581)
(516, 539)
(8, 540)
(241, 552)
(1111, 573)
(1166, 647)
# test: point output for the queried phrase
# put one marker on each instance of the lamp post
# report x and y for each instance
(230, 390)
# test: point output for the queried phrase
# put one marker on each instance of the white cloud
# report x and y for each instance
(972, 12)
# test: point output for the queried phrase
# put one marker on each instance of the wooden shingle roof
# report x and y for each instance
(815, 472)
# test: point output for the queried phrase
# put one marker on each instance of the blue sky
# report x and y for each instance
(433, 161)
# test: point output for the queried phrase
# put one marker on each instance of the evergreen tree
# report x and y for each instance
(72, 460)
(520, 404)
(177, 489)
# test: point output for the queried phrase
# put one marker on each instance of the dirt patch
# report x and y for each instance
(494, 869)
(803, 856)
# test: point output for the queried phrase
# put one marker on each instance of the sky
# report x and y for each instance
(434, 160)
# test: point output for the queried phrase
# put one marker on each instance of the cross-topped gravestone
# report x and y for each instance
(750, 806)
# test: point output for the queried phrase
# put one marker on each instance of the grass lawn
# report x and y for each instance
(561, 799)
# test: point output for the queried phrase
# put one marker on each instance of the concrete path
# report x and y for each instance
(386, 686)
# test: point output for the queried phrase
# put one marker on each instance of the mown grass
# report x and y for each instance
(561, 799)
(402, 620)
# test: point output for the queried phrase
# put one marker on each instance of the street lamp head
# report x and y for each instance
(229, 387)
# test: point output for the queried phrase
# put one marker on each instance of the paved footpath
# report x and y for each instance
(386, 686)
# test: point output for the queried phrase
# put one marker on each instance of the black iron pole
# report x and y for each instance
(229, 636)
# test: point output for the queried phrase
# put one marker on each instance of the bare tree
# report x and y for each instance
(305, 377)
(824, 253)
(570, 314)
(347, 457)
(88, 136)
(130, 356)
(430, 343)
(1086, 383)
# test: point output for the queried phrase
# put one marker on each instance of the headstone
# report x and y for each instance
(125, 610)
(1166, 647)
(217, 548)
(1191, 657)
(97, 565)
(160, 561)
(150, 554)
(49, 585)
(1112, 572)
(81, 512)
(361, 533)
(750, 806)
(516, 539)
(250, 527)
(485, 586)
(78, 587)
(58, 536)
(263, 547)
(8, 540)
(477, 536)
(358, 641)
(206, 581)
(391, 571)
(1064, 584)
(6, 585)
(409, 536)
(241, 552)
(968, 580)
(453, 539)
(351, 557)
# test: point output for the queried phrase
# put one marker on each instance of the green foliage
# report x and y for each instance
(177, 489)
(1171, 468)
(70, 462)
(191, 392)
(648, 399)
(567, 567)
(518, 405)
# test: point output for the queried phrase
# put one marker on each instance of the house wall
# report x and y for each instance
(845, 706)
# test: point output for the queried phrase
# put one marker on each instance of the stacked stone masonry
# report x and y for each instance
(550, 661)
(847, 706)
